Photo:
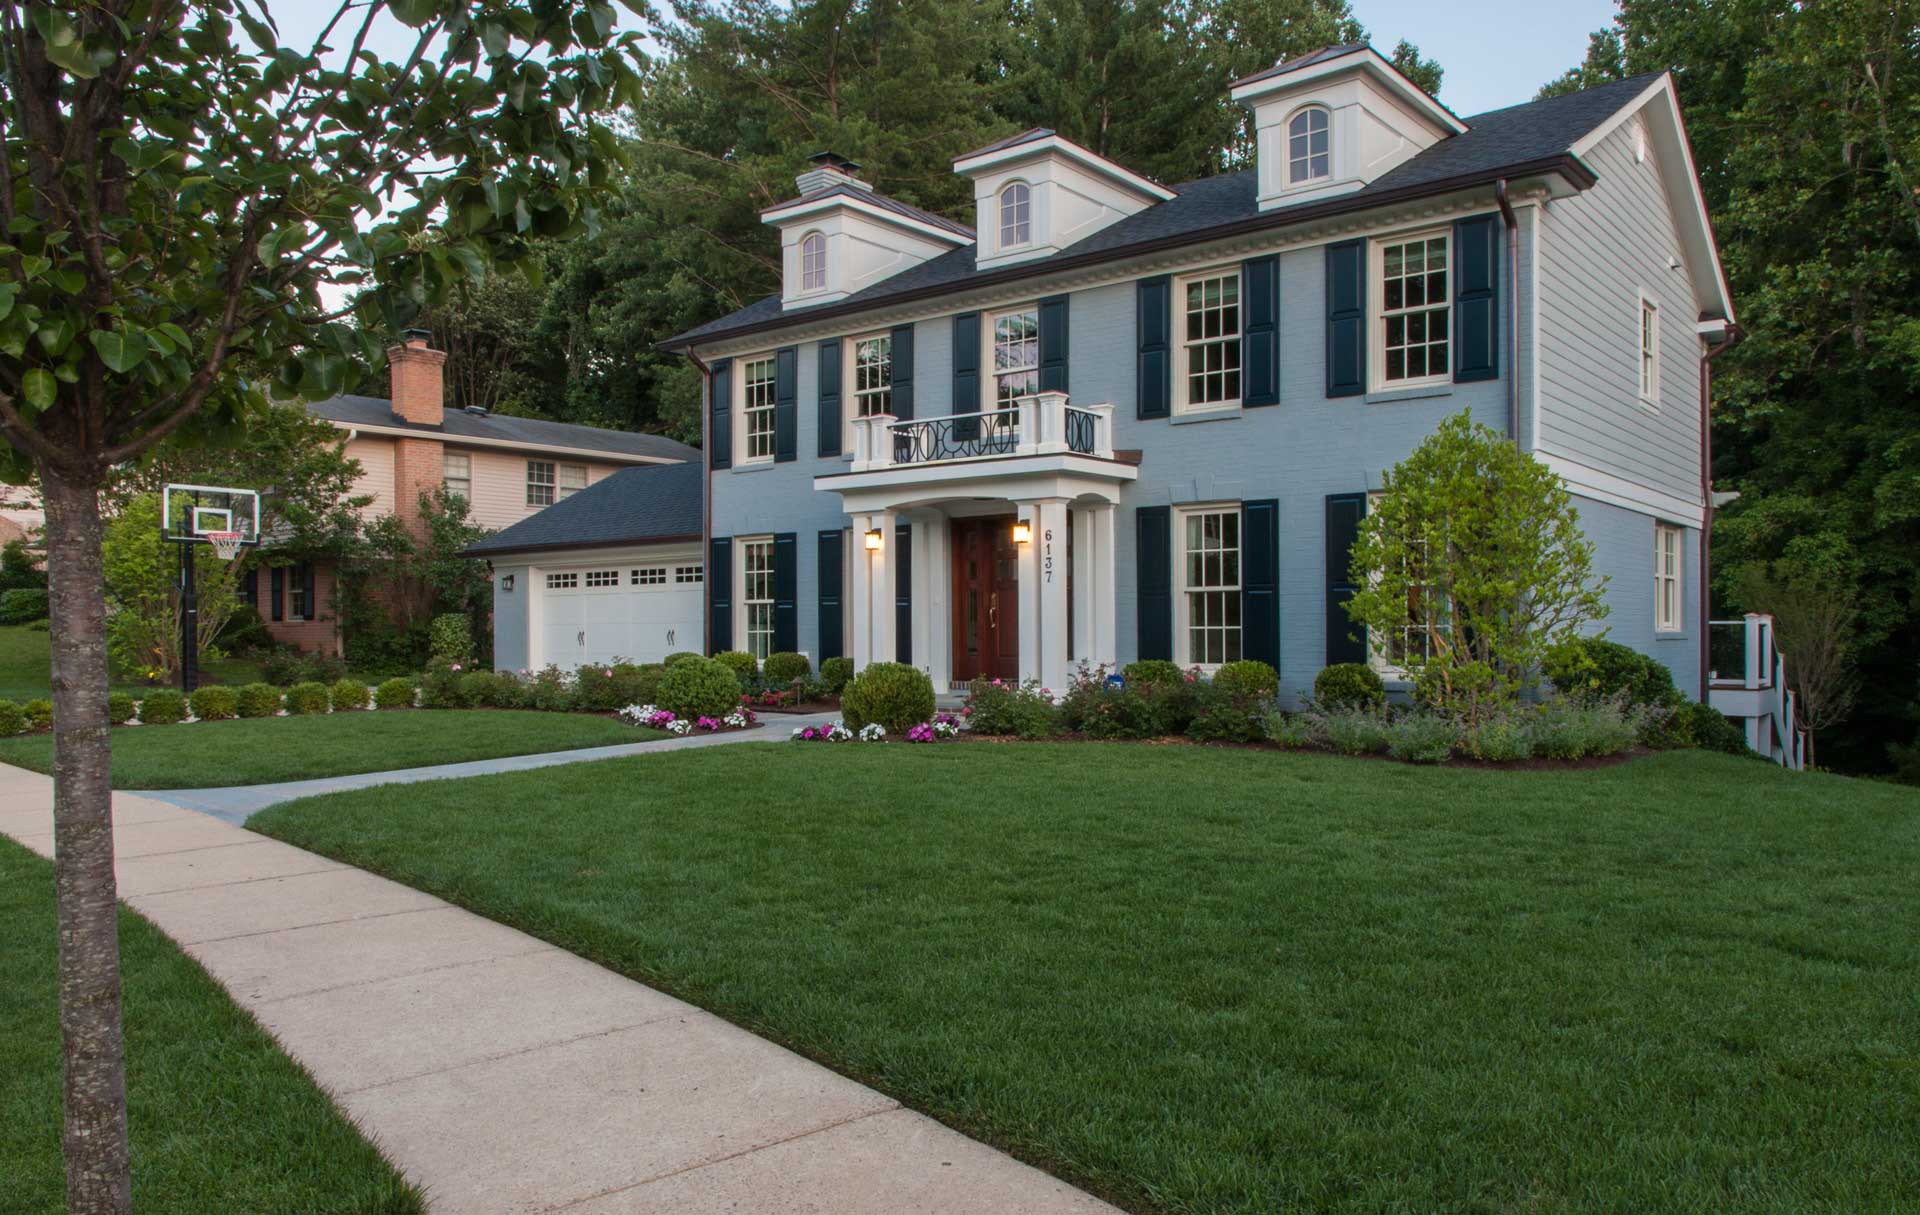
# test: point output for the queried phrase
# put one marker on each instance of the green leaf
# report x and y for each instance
(38, 386)
(7, 292)
(118, 351)
(74, 58)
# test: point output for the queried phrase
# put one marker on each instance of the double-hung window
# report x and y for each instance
(1426, 615)
(756, 407)
(1210, 341)
(873, 375)
(540, 482)
(1308, 146)
(1016, 215)
(756, 595)
(813, 262)
(1015, 343)
(1414, 323)
(1209, 600)
(573, 479)
(456, 473)
(1666, 578)
(1649, 351)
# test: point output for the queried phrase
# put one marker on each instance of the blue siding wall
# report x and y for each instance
(1623, 549)
(510, 619)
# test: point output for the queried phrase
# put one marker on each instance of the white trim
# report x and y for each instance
(1182, 620)
(1677, 622)
(1181, 405)
(355, 429)
(1053, 145)
(1376, 295)
(741, 641)
(741, 441)
(1646, 371)
(802, 208)
(1617, 491)
(1370, 61)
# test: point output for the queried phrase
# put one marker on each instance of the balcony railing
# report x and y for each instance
(1747, 680)
(1038, 425)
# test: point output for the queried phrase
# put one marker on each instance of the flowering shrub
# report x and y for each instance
(740, 718)
(922, 733)
(833, 732)
(1023, 710)
(647, 715)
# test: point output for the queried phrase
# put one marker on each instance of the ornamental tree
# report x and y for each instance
(1472, 566)
(176, 188)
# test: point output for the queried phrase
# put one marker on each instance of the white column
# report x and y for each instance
(933, 598)
(1084, 588)
(1043, 595)
(1101, 589)
(873, 590)
(1027, 563)
(1050, 436)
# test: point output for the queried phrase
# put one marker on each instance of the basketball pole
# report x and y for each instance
(189, 622)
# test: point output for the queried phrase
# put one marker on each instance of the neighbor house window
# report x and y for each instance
(1308, 158)
(298, 577)
(689, 575)
(1419, 639)
(573, 479)
(1649, 351)
(756, 387)
(873, 376)
(1016, 215)
(1016, 356)
(1210, 342)
(1209, 626)
(456, 473)
(1666, 578)
(1413, 325)
(539, 483)
(813, 262)
(651, 576)
(756, 595)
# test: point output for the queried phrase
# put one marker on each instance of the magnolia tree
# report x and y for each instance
(1472, 566)
(176, 188)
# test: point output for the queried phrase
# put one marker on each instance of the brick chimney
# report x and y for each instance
(418, 386)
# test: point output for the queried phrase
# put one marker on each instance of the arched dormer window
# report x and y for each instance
(1016, 215)
(813, 262)
(1308, 146)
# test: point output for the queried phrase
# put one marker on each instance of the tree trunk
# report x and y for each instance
(95, 1139)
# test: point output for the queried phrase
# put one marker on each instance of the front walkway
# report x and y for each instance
(505, 1075)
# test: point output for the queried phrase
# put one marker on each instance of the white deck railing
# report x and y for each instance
(1043, 424)
(1754, 690)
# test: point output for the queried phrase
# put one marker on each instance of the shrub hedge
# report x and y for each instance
(214, 702)
(163, 707)
(395, 693)
(259, 700)
(894, 694)
(705, 687)
(23, 605)
(785, 667)
(121, 708)
(308, 698)
(348, 694)
(835, 672)
(13, 719)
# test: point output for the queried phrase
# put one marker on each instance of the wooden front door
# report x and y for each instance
(986, 598)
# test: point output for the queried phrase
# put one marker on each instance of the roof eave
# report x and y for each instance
(567, 546)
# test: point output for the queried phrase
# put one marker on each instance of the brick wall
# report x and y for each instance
(321, 634)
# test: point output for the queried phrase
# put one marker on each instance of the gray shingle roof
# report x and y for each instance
(649, 503)
(884, 203)
(458, 424)
(1532, 136)
(1300, 61)
(1026, 136)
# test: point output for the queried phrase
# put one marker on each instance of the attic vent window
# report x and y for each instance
(1016, 215)
(1308, 146)
(813, 262)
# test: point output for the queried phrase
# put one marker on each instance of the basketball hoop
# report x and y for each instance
(224, 544)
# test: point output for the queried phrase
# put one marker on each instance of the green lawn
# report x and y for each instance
(263, 750)
(220, 1119)
(25, 658)
(1213, 980)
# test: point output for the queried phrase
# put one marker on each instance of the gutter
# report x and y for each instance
(1734, 335)
(488, 554)
(706, 497)
(1513, 308)
(1565, 163)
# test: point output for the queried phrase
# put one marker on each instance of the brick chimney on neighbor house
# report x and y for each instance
(419, 465)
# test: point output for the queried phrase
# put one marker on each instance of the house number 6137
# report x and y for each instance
(1046, 563)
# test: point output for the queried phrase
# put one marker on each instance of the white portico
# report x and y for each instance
(1009, 538)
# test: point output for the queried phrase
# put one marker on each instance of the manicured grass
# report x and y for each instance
(264, 750)
(25, 657)
(220, 1119)
(1210, 980)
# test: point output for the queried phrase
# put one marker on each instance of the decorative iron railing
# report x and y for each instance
(962, 436)
(1080, 427)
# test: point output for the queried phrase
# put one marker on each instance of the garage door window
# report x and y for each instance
(652, 576)
(603, 577)
(756, 595)
(690, 575)
(563, 582)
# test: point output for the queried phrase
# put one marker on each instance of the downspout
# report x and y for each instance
(706, 496)
(1734, 334)
(1513, 308)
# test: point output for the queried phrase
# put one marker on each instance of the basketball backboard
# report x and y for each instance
(189, 514)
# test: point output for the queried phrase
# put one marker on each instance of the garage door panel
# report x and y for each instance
(637, 613)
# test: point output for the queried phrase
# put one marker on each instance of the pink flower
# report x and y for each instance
(454, 667)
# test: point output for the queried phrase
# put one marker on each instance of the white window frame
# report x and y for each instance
(989, 374)
(745, 414)
(1647, 341)
(1184, 588)
(1306, 112)
(1015, 227)
(542, 483)
(1182, 390)
(1379, 315)
(747, 607)
(462, 482)
(1669, 578)
(569, 480)
(1379, 657)
(855, 396)
(813, 262)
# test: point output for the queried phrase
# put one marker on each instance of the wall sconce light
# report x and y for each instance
(506, 583)
(1022, 532)
(873, 540)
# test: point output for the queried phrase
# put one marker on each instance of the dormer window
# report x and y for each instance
(1309, 155)
(813, 262)
(1016, 215)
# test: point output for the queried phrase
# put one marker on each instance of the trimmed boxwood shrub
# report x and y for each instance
(395, 693)
(1592, 669)
(214, 702)
(163, 707)
(1350, 685)
(783, 668)
(680, 656)
(835, 672)
(492, 690)
(23, 605)
(740, 662)
(259, 700)
(308, 698)
(894, 694)
(703, 688)
(13, 719)
(39, 714)
(606, 689)
(348, 694)
(1249, 678)
(121, 708)
(1153, 670)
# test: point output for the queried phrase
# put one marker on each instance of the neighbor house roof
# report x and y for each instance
(1534, 137)
(499, 430)
(653, 503)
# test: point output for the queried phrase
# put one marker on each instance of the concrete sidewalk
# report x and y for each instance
(237, 803)
(505, 1075)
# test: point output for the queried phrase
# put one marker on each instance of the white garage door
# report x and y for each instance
(635, 612)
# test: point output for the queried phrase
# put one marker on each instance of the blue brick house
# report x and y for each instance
(1118, 420)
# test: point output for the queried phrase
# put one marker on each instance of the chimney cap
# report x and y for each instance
(423, 336)
(827, 159)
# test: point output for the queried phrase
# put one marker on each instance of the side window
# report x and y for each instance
(540, 483)
(1666, 578)
(1649, 351)
(457, 474)
(573, 479)
(756, 407)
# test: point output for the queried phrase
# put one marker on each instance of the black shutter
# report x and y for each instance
(903, 593)
(1344, 640)
(1347, 318)
(786, 390)
(786, 580)
(309, 609)
(832, 637)
(1153, 318)
(250, 587)
(1260, 331)
(720, 594)
(1053, 344)
(720, 413)
(1260, 581)
(277, 580)
(1153, 530)
(827, 377)
(1476, 300)
(903, 373)
(966, 374)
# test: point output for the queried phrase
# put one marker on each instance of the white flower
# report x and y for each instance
(873, 731)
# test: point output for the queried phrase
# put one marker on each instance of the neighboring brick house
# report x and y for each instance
(507, 468)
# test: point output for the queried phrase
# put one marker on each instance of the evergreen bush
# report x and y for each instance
(835, 672)
(704, 687)
(163, 707)
(215, 702)
(1350, 685)
(680, 656)
(450, 638)
(13, 719)
(894, 694)
(308, 698)
(741, 663)
(783, 668)
(1593, 669)
(1249, 677)
(1703, 726)
(39, 714)
(395, 693)
(23, 605)
(259, 700)
(347, 693)
(121, 708)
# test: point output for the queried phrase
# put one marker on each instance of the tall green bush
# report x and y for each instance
(785, 667)
(450, 637)
(703, 687)
(835, 672)
(894, 694)
(742, 664)
(13, 719)
(23, 605)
